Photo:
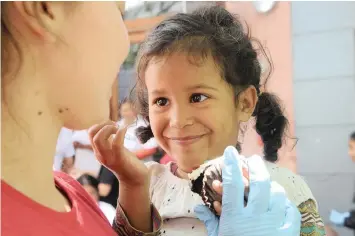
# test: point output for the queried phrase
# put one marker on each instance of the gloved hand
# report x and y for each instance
(268, 212)
(338, 218)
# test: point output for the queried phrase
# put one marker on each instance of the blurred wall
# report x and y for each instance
(127, 80)
(323, 36)
(274, 31)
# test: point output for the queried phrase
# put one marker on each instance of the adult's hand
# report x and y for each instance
(268, 211)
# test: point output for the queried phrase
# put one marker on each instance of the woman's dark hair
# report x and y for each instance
(215, 32)
(90, 180)
(352, 136)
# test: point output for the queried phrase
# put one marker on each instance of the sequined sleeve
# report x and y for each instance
(122, 226)
(312, 224)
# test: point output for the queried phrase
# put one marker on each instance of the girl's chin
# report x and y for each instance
(189, 167)
(195, 167)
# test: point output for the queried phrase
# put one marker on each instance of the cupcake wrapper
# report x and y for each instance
(202, 185)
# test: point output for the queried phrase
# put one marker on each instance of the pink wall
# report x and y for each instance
(274, 31)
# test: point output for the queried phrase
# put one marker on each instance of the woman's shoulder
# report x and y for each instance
(295, 185)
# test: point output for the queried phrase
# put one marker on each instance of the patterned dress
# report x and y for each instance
(312, 224)
(173, 199)
(300, 194)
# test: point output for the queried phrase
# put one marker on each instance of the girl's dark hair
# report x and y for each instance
(144, 133)
(215, 32)
(90, 180)
(352, 136)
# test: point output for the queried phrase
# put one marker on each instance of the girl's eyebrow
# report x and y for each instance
(202, 86)
(160, 92)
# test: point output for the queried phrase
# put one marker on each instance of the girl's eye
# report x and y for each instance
(198, 98)
(161, 102)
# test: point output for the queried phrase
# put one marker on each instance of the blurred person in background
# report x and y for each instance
(91, 186)
(133, 121)
(108, 186)
(346, 219)
(65, 152)
(127, 113)
(85, 161)
(351, 150)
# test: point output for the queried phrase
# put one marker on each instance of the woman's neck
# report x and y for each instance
(29, 136)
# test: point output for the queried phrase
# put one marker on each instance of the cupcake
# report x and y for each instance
(202, 178)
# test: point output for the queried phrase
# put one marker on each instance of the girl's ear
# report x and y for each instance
(247, 101)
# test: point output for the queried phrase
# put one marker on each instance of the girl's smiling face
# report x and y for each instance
(192, 110)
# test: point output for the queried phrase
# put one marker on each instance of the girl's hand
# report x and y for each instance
(107, 142)
(218, 187)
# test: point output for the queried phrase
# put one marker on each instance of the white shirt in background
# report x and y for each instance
(81, 136)
(108, 210)
(85, 160)
(131, 141)
(64, 148)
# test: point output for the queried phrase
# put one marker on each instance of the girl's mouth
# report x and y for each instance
(187, 140)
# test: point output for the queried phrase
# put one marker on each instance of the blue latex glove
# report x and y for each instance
(268, 212)
(338, 218)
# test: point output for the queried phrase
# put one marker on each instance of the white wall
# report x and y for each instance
(323, 35)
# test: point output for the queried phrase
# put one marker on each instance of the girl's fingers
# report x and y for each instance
(96, 128)
(218, 207)
(101, 139)
(217, 186)
(118, 140)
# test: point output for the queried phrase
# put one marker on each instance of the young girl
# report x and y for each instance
(199, 78)
(49, 52)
